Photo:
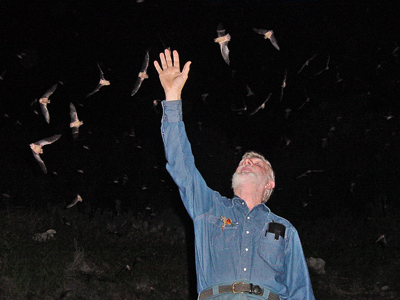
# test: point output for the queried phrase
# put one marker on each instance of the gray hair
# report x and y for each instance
(270, 176)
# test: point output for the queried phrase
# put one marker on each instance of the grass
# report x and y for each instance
(106, 255)
(124, 259)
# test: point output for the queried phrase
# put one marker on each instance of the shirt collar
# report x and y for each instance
(236, 200)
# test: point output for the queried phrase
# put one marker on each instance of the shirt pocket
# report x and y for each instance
(272, 251)
(223, 238)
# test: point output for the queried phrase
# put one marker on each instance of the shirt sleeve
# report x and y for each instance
(195, 194)
(297, 278)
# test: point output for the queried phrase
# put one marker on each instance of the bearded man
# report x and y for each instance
(242, 249)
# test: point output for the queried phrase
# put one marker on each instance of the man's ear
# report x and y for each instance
(270, 185)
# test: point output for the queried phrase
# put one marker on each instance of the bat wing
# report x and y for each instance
(255, 111)
(75, 132)
(40, 162)
(48, 140)
(284, 77)
(262, 106)
(45, 112)
(75, 201)
(306, 63)
(138, 83)
(50, 91)
(101, 71)
(274, 42)
(281, 96)
(225, 52)
(249, 91)
(98, 87)
(72, 112)
(260, 31)
(145, 62)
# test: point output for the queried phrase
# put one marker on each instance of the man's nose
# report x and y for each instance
(247, 161)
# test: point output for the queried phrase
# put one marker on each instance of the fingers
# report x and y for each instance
(157, 66)
(167, 62)
(176, 59)
(168, 58)
(163, 61)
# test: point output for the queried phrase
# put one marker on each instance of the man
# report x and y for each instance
(243, 250)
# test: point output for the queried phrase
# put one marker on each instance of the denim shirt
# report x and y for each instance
(232, 244)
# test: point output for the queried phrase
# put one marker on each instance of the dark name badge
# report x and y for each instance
(276, 228)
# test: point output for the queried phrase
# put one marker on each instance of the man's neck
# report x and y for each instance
(250, 194)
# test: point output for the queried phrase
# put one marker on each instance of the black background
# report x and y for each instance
(63, 41)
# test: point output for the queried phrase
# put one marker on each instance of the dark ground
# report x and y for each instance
(349, 104)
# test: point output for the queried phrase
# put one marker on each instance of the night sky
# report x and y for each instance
(338, 116)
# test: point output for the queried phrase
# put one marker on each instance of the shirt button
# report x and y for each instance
(247, 249)
(248, 218)
(245, 269)
(247, 232)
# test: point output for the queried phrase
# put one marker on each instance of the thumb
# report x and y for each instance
(186, 68)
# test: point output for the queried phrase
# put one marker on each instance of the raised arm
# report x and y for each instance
(171, 77)
(196, 195)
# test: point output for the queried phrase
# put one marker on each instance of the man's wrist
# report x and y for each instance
(172, 96)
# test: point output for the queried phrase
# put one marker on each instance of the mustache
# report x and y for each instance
(247, 166)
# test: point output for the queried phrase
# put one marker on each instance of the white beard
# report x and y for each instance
(239, 179)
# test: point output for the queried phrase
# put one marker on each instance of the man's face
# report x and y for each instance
(251, 170)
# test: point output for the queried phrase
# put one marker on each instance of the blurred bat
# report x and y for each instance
(44, 100)
(75, 122)
(102, 82)
(142, 74)
(37, 149)
(268, 34)
(223, 40)
(77, 199)
(283, 85)
(306, 63)
(262, 106)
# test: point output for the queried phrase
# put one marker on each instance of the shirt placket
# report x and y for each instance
(247, 232)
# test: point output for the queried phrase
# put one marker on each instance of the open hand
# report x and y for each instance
(171, 78)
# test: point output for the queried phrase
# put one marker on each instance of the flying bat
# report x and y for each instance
(249, 91)
(77, 199)
(142, 74)
(268, 34)
(223, 40)
(102, 82)
(307, 99)
(75, 122)
(37, 149)
(283, 85)
(309, 172)
(326, 66)
(44, 100)
(306, 63)
(2, 75)
(262, 106)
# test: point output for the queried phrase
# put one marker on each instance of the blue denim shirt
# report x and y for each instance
(232, 243)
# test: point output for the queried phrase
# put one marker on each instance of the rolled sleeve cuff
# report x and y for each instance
(172, 111)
